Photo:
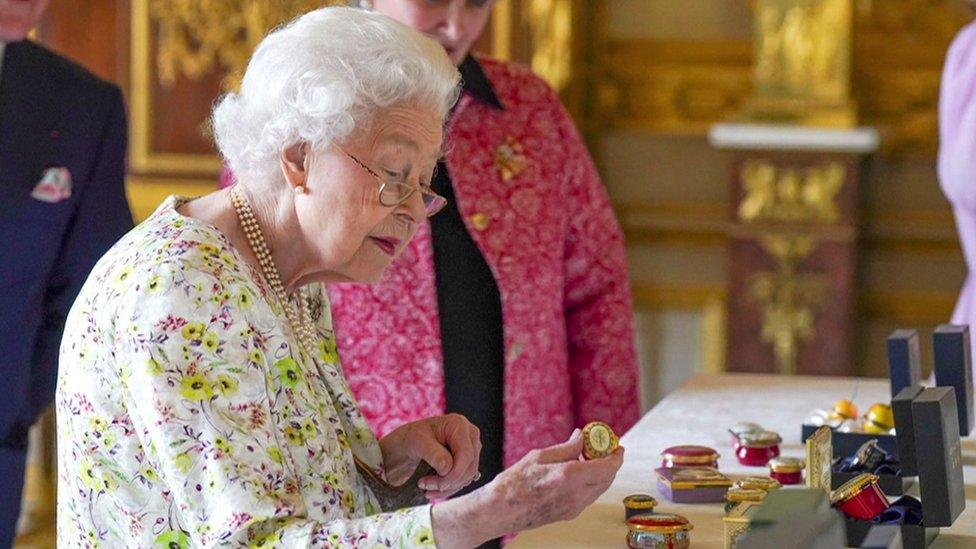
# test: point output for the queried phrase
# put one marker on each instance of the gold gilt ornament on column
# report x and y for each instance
(790, 298)
(199, 37)
(803, 63)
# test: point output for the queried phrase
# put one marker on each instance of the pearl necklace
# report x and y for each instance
(299, 317)
(391, 498)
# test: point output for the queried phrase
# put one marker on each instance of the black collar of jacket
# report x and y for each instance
(475, 81)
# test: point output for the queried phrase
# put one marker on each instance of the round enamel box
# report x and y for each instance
(860, 498)
(638, 504)
(756, 449)
(599, 440)
(742, 428)
(787, 470)
(659, 531)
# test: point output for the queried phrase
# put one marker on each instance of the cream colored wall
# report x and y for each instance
(669, 350)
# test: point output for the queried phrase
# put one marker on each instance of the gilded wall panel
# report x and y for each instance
(684, 86)
(184, 54)
(673, 87)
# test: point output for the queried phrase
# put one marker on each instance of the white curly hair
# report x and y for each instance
(322, 76)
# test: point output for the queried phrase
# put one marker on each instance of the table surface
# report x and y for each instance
(700, 412)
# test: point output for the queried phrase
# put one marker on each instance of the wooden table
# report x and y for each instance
(699, 413)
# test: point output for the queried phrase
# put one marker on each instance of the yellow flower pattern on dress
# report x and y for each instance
(211, 341)
(195, 421)
(197, 387)
(288, 369)
(193, 331)
(226, 385)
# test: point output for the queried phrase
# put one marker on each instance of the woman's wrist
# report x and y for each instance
(467, 521)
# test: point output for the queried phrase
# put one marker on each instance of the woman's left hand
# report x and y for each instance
(450, 444)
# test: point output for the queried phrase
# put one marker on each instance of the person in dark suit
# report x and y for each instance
(62, 168)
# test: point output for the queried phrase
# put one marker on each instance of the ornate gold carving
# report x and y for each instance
(874, 308)
(791, 194)
(680, 86)
(199, 37)
(143, 158)
(923, 232)
(737, 522)
(789, 298)
(900, 49)
(803, 60)
(177, 30)
(670, 86)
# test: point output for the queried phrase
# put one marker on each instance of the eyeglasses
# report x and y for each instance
(394, 193)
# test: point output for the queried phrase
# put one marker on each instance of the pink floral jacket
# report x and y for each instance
(533, 201)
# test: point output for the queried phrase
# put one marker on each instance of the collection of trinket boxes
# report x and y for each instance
(853, 474)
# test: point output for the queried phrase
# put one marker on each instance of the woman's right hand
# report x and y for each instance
(547, 485)
(554, 484)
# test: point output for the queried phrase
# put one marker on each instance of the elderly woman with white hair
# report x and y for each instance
(201, 401)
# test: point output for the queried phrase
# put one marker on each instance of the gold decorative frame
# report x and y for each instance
(227, 50)
(142, 158)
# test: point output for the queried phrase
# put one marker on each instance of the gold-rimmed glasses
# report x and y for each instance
(394, 193)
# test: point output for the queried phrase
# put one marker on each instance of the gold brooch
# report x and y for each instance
(509, 158)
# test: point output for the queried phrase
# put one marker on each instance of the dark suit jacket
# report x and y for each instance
(53, 113)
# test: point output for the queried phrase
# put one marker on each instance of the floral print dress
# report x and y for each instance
(190, 416)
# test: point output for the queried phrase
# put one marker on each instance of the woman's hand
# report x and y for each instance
(450, 444)
(547, 485)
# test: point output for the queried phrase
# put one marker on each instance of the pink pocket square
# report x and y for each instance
(54, 186)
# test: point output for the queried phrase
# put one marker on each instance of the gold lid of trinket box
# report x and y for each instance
(761, 439)
(759, 483)
(640, 501)
(738, 495)
(786, 465)
(664, 523)
(599, 440)
(852, 488)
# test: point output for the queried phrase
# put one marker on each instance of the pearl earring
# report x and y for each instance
(299, 189)
(366, 4)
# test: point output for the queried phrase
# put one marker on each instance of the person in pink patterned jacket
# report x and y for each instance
(512, 306)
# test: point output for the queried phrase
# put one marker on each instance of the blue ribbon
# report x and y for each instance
(890, 466)
(905, 510)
